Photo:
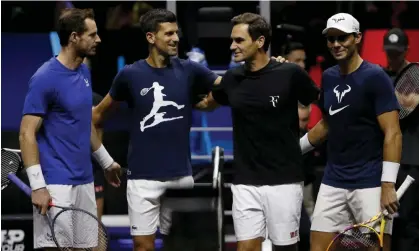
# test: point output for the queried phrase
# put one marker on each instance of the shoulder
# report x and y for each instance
(188, 65)
(44, 75)
(374, 74)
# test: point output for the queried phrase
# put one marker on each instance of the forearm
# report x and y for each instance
(392, 148)
(314, 137)
(29, 149)
(30, 157)
(318, 133)
(95, 141)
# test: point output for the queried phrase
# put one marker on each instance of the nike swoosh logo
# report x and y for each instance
(333, 112)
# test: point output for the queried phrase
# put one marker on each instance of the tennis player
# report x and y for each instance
(406, 227)
(56, 136)
(361, 124)
(158, 89)
(268, 179)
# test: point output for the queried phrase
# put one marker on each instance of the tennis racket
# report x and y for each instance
(71, 228)
(407, 89)
(363, 236)
(144, 91)
(11, 162)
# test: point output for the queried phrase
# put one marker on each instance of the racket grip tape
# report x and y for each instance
(404, 186)
(19, 183)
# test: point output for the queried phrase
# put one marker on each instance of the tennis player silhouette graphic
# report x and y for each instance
(157, 104)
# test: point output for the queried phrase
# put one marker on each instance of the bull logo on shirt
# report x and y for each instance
(340, 95)
(157, 104)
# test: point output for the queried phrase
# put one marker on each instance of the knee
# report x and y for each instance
(143, 243)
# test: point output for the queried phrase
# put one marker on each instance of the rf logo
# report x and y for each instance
(274, 100)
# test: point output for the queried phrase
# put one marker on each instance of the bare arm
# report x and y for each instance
(102, 111)
(95, 141)
(392, 147)
(318, 133)
(389, 123)
(208, 103)
(29, 126)
(314, 137)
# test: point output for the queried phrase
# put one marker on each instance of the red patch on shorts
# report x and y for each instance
(294, 234)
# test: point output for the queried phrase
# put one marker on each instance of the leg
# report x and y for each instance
(99, 192)
(331, 215)
(364, 204)
(61, 195)
(144, 211)
(304, 244)
(167, 103)
(248, 217)
(282, 206)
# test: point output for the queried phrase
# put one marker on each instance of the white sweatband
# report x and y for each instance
(305, 144)
(36, 178)
(390, 170)
(102, 157)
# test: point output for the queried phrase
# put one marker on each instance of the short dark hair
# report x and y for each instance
(72, 20)
(257, 27)
(150, 21)
(290, 47)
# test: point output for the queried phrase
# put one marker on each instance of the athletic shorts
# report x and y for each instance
(146, 207)
(338, 208)
(80, 196)
(276, 209)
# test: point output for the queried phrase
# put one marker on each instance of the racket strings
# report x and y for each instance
(10, 163)
(74, 229)
(361, 238)
(407, 91)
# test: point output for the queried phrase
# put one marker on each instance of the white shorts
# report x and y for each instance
(273, 208)
(80, 196)
(146, 207)
(338, 208)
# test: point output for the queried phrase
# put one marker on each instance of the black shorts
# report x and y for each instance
(99, 180)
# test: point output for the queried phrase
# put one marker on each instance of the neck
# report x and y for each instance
(398, 68)
(69, 58)
(156, 60)
(350, 65)
(260, 60)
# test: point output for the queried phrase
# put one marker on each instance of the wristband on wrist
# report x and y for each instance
(390, 170)
(36, 178)
(305, 144)
(102, 157)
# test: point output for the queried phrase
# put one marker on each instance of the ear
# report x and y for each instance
(151, 37)
(358, 38)
(73, 37)
(260, 42)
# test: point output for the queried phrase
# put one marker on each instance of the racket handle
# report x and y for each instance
(19, 183)
(404, 186)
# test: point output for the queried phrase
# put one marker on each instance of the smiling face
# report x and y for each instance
(166, 39)
(342, 45)
(242, 45)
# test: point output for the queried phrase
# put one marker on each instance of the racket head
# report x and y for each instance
(359, 237)
(74, 228)
(144, 91)
(407, 89)
(11, 162)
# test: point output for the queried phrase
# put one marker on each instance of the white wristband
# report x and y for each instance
(36, 178)
(102, 157)
(305, 144)
(390, 170)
